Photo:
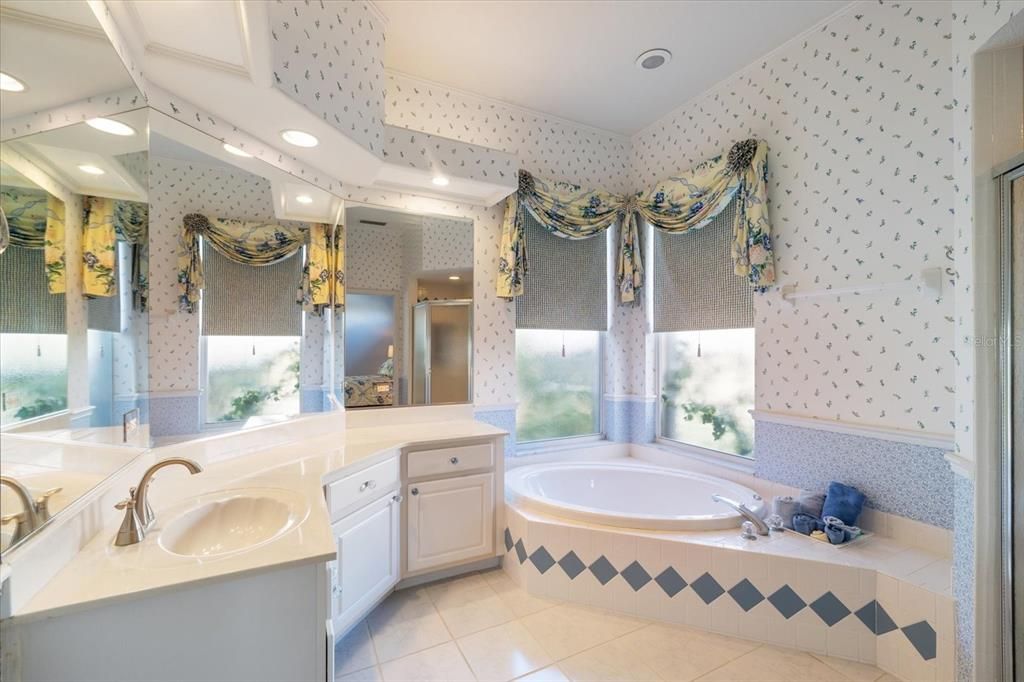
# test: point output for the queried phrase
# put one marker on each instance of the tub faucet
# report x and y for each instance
(745, 511)
(36, 511)
(138, 515)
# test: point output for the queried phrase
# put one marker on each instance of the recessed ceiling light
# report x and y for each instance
(454, 278)
(440, 181)
(653, 59)
(232, 149)
(304, 199)
(109, 125)
(299, 138)
(10, 83)
(91, 170)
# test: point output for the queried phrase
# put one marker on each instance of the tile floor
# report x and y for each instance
(484, 627)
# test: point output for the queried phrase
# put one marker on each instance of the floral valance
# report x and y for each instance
(35, 220)
(685, 202)
(258, 243)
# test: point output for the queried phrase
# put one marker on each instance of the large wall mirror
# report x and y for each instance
(246, 288)
(408, 309)
(74, 247)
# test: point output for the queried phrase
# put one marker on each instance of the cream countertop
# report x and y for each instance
(101, 572)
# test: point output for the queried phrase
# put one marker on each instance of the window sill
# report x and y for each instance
(706, 456)
(536, 447)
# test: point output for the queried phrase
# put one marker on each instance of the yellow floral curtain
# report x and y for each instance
(259, 243)
(685, 202)
(99, 248)
(34, 219)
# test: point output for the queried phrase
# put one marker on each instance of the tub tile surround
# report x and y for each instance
(554, 640)
(857, 604)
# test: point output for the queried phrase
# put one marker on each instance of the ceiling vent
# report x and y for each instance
(653, 59)
(373, 222)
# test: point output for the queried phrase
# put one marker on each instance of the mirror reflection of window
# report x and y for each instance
(409, 309)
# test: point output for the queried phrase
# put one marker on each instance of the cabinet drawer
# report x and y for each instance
(450, 460)
(362, 487)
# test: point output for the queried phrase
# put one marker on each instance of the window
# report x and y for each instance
(559, 381)
(33, 374)
(707, 388)
(248, 376)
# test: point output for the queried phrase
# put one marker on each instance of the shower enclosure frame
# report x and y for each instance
(459, 302)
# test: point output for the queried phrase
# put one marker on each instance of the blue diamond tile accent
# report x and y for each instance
(572, 565)
(670, 581)
(829, 609)
(542, 559)
(787, 602)
(508, 540)
(707, 588)
(603, 570)
(636, 576)
(746, 595)
(875, 618)
(922, 636)
(520, 551)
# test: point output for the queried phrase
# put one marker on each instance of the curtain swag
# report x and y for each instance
(33, 219)
(685, 202)
(257, 244)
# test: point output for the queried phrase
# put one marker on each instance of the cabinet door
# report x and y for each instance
(450, 521)
(367, 565)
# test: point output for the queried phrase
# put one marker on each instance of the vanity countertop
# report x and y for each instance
(101, 572)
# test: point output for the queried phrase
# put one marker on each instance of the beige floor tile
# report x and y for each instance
(402, 605)
(550, 674)
(773, 664)
(442, 663)
(405, 631)
(452, 586)
(566, 629)
(860, 672)
(614, 661)
(682, 654)
(503, 652)
(354, 651)
(472, 608)
(364, 675)
(516, 598)
(886, 677)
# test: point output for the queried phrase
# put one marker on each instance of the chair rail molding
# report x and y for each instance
(944, 441)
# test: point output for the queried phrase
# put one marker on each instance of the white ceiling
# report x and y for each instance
(59, 51)
(576, 59)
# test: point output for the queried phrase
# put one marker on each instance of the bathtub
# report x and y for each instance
(629, 495)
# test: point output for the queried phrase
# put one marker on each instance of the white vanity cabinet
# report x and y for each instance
(366, 525)
(452, 510)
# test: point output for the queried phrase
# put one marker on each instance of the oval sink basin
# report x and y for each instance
(229, 522)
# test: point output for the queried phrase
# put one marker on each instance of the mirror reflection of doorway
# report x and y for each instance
(369, 349)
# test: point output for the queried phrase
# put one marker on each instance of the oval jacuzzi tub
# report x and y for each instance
(629, 495)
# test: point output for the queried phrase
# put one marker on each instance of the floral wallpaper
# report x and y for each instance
(327, 57)
(442, 155)
(857, 117)
(447, 244)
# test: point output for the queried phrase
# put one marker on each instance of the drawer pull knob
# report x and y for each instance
(396, 499)
(368, 485)
(454, 460)
(414, 491)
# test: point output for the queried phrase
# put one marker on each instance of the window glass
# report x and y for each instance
(34, 375)
(559, 381)
(707, 389)
(251, 376)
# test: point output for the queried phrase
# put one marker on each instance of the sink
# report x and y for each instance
(231, 521)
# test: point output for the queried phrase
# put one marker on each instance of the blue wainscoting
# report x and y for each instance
(899, 478)
(173, 415)
(503, 418)
(629, 419)
(963, 575)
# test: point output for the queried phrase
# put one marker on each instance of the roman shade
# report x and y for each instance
(250, 300)
(568, 283)
(26, 305)
(695, 287)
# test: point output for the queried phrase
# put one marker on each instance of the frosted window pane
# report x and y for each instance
(705, 400)
(33, 375)
(251, 376)
(559, 396)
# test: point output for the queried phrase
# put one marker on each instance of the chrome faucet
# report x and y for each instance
(745, 511)
(139, 515)
(36, 511)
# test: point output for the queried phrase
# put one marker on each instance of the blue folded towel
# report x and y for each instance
(785, 506)
(805, 523)
(836, 532)
(843, 502)
(811, 502)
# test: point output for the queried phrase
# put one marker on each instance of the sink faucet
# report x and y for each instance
(745, 511)
(36, 510)
(139, 515)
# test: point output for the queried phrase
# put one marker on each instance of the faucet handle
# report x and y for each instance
(131, 531)
(43, 503)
